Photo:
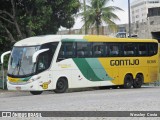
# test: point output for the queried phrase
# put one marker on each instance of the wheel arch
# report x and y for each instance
(129, 74)
(64, 77)
(139, 73)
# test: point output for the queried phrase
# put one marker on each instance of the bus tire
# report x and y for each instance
(36, 92)
(61, 86)
(128, 81)
(137, 83)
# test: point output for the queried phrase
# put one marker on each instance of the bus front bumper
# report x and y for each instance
(34, 86)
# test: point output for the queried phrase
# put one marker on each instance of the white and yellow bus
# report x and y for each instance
(56, 62)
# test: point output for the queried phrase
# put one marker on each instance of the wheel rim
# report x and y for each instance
(128, 81)
(138, 81)
(60, 85)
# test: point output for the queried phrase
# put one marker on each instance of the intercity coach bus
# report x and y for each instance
(60, 62)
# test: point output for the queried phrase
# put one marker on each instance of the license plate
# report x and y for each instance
(18, 88)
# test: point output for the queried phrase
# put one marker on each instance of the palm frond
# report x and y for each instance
(112, 8)
(97, 12)
(112, 25)
(110, 15)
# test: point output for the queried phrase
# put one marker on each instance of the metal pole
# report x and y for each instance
(129, 18)
(3, 75)
(84, 3)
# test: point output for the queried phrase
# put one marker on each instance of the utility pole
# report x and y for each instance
(129, 18)
(85, 25)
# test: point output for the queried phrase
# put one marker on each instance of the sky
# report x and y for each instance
(123, 15)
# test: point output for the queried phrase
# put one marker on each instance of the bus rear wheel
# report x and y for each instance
(137, 83)
(36, 92)
(128, 81)
(61, 86)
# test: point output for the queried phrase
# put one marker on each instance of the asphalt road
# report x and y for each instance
(146, 98)
(143, 99)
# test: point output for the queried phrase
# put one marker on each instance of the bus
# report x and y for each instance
(61, 62)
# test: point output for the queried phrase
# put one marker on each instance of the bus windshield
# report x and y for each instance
(20, 63)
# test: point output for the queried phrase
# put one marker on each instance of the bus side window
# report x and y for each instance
(142, 49)
(153, 49)
(67, 50)
(45, 59)
(99, 49)
(42, 63)
(114, 50)
(84, 49)
(61, 55)
(129, 49)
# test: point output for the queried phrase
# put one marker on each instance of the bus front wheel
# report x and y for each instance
(36, 92)
(61, 86)
(137, 83)
(128, 81)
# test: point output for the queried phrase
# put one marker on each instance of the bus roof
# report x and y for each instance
(94, 38)
(38, 40)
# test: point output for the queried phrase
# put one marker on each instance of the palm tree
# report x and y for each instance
(96, 13)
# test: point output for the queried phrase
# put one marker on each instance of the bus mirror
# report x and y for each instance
(37, 53)
(2, 56)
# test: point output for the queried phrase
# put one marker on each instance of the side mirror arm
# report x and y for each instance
(4, 54)
(34, 58)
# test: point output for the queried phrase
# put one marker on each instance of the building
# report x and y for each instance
(145, 15)
(139, 9)
(149, 28)
(103, 30)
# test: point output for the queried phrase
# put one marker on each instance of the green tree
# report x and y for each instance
(97, 12)
(24, 18)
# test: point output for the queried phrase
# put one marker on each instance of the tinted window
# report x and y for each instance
(99, 49)
(45, 59)
(84, 49)
(142, 49)
(129, 49)
(153, 48)
(114, 50)
(67, 50)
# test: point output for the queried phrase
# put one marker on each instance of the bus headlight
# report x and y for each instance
(34, 78)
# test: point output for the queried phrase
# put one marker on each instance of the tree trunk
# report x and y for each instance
(85, 25)
(9, 34)
(97, 28)
(20, 36)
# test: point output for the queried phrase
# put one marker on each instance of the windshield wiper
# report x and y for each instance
(18, 67)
